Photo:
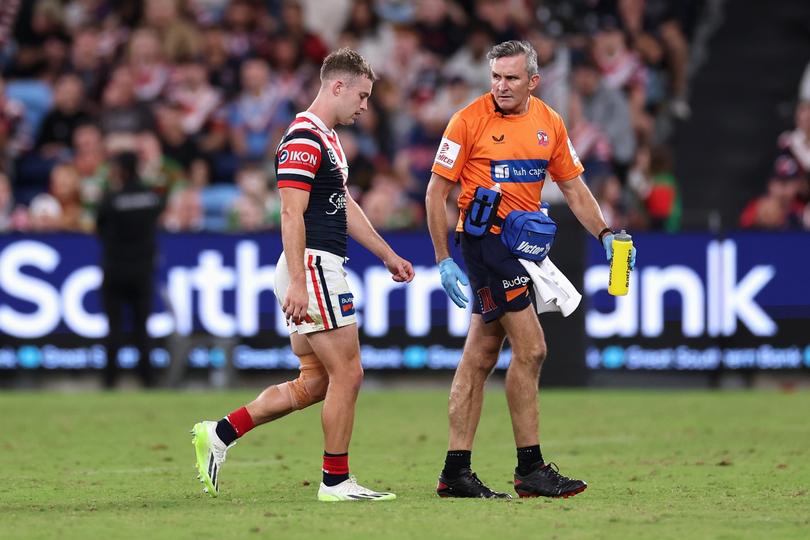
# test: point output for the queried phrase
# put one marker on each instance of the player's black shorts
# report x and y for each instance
(498, 280)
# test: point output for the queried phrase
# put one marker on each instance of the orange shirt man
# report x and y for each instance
(512, 139)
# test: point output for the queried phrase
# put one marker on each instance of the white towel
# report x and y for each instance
(552, 290)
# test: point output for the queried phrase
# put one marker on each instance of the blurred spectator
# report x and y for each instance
(554, 60)
(326, 18)
(415, 70)
(780, 208)
(87, 63)
(588, 138)
(470, 61)
(439, 26)
(146, 61)
(65, 187)
(12, 217)
(622, 69)
(184, 212)
(12, 137)
(455, 95)
(292, 76)
(193, 97)
(179, 39)
(160, 173)
(260, 114)
(45, 214)
(364, 25)
(653, 30)
(609, 195)
(606, 107)
(652, 178)
(56, 133)
(89, 159)
(223, 70)
(500, 16)
(797, 142)
(388, 206)
(122, 113)
(311, 46)
(256, 207)
(41, 40)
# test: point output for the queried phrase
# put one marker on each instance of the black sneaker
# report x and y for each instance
(467, 485)
(546, 481)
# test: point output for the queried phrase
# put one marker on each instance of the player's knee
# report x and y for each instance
(318, 387)
(309, 388)
(350, 377)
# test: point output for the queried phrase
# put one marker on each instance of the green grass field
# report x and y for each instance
(659, 465)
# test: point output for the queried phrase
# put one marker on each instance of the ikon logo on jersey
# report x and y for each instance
(346, 304)
(300, 156)
(518, 170)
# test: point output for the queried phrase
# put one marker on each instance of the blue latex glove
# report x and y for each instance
(451, 274)
(607, 243)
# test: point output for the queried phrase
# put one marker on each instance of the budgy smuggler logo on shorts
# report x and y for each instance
(448, 153)
(346, 301)
(518, 170)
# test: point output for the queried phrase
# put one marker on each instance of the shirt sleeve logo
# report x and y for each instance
(573, 152)
(448, 153)
(283, 156)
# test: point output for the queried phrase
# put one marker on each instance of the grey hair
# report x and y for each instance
(514, 48)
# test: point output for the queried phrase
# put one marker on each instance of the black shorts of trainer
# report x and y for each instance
(498, 280)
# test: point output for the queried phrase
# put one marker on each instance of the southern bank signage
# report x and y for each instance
(696, 301)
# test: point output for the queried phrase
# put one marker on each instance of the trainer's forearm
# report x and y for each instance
(584, 206)
(435, 204)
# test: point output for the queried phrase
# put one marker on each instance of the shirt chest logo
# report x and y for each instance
(542, 138)
(499, 140)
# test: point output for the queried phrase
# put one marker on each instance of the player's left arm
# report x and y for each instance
(361, 229)
(583, 205)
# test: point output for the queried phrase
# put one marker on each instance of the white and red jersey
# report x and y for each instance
(311, 158)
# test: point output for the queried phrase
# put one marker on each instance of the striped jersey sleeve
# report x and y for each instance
(298, 159)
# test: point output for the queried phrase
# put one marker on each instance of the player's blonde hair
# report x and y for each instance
(346, 61)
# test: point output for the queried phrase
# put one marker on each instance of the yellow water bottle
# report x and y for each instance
(619, 281)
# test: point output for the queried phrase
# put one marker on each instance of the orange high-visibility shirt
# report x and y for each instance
(482, 147)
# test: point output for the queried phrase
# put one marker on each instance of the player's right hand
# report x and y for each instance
(296, 302)
(451, 275)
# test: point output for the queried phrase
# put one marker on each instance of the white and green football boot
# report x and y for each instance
(350, 490)
(210, 452)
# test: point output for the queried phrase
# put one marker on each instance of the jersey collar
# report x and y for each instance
(315, 120)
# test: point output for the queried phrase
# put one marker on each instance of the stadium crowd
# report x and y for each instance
(201, 90)
(785, 205)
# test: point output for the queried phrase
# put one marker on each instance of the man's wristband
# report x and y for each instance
(603, 232)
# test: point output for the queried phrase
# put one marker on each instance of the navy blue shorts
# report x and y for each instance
(498, 280)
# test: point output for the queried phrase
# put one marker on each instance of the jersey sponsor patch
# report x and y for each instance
(448, 153)
(346, 304)
(518, 170)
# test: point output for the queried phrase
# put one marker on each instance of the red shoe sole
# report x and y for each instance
(529, 495)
